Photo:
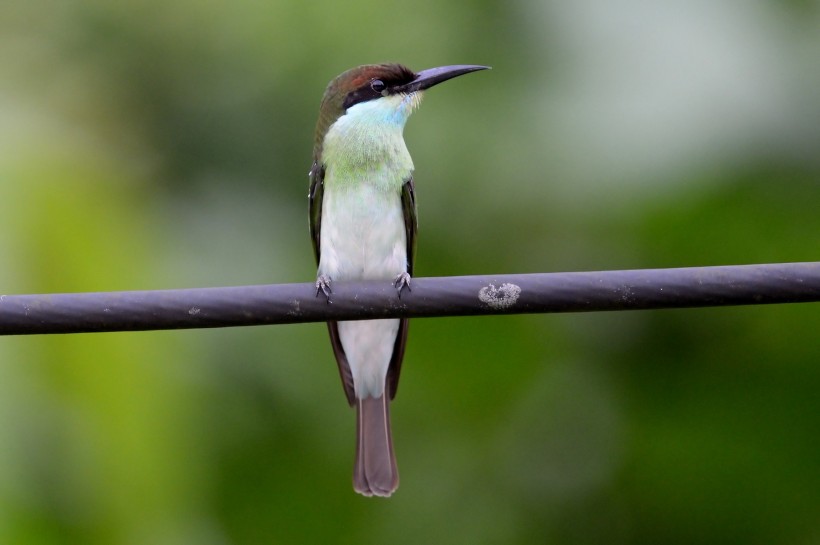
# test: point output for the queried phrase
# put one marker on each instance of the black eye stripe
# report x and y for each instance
(375, 88)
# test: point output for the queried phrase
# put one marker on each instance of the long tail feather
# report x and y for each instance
(375, 472)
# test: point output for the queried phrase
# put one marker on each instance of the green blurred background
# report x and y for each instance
(161, 144)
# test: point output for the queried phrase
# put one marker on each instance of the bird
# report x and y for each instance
(363, 226)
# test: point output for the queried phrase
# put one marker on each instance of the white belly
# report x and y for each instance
(363, 235)
(363, 238)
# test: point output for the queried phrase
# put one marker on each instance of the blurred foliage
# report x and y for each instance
(166, 144)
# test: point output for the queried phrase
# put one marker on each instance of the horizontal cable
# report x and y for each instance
(440, 296)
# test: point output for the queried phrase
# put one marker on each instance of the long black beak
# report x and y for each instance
(433, 76)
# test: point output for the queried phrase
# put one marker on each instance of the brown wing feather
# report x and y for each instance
(315, 194)
(317, 177)
(408, 204)
(341, 361)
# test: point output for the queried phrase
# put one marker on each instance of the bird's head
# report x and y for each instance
(396, 85)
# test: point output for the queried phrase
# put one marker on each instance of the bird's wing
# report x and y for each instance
(411, 223)
(341, 361)
(315, 194)
(317, 177)
(411, 227)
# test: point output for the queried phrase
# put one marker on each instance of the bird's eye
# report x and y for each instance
(378, 85)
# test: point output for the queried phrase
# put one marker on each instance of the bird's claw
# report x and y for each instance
(323, 286)
(402, 281)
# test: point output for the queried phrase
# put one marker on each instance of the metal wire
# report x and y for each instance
(441, 296)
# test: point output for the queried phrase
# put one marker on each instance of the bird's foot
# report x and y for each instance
(402, 281)
(323, 286)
